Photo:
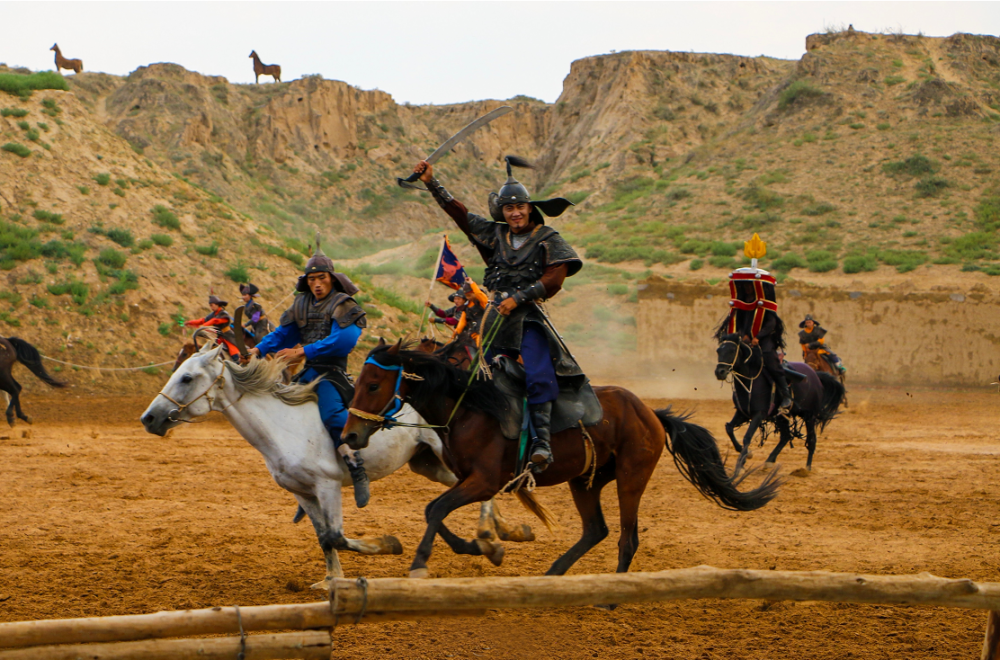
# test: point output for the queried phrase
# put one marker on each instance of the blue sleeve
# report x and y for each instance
(284, 336)
(339, 344)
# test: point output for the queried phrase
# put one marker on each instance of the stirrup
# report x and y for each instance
(540, 457)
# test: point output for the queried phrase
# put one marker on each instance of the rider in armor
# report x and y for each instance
(813, 337)
(221, 321)
(754, 316)
(252, 311)
(450, 315)
(326, 322)
(526, 261)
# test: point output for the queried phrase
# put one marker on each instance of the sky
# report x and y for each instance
(441, 52)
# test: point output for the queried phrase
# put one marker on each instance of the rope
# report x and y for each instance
(526, 480)
(83, 366)
(362, 583)
(334, 604)
(243, 636)
(589, 444)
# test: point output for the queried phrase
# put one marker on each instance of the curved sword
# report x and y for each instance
(450, 143)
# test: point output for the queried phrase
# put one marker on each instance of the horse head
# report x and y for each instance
(55, 47)
(378, 394)
(729, 355)
(253, 53)
(188, 393)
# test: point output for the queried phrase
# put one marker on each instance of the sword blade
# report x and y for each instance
(450, 143)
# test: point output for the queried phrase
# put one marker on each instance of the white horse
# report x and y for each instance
(283, 423)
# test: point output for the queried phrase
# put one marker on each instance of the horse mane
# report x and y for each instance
(264, 377)
(442, 377)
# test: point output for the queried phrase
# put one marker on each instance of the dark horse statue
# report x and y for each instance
(816, 397)
(625, 446)
(13, 350)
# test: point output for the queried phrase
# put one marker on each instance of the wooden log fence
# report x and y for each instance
(391, 599)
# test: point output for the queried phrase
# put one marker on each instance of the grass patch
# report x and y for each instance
(46, 216)
(913, 166)
(165, 329)
(112, 258)
(860, 263)
(103, 179)
(237, 272)
(17, 149)
(163, 240)
(165, 218)
(931, 186)
(122, 237)
(787, 262)
(761, 197)
(821, 261)
(13, 112)
(79, 291)
(903, 260)
(894, 80)
(799, 91)
(819, 208)
(24, 84)
(209, 251)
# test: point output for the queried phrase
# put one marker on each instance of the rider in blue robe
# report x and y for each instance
(327, 322)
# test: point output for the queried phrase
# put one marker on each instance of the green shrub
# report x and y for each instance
(165, 218)
(723, 249)
(32, 135)
(145, 244)
(23, 125)
(39, 302)
(677, 194)
(578, 196)
(13, 112)
(787, 262)
(974, 246)
(931, 186)
(819, 208)
(74, 288)
(727, 263)
(46, 216)
(51, 108)
(821, 261)
(119, 192)
(15, 148)
(762, 198)
(884, 126)
(913, 166)
(127, 281)
(618, 289)
(42, 125)
(800, 90)
(22, 85)
(903, 260)
(696, 264)
(165, 329)
(632, 188)
(163, 240)
(209, 250)
(894, 80)
(112, 258)
(860, 263)
(238, 272)
(84, 190)
(122, 237)
(759, 220)
(103, 179)
(987, 212)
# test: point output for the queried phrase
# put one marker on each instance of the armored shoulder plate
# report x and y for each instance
(559, 252)
(349, 312)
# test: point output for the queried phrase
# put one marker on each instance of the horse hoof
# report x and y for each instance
(768, 465)
(486, 534)
(321, 586)
(27, 420)
(492, 551)
(418, 574)
(520, 534)
(391, 545)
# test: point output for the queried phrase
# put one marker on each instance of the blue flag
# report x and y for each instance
(449, 268)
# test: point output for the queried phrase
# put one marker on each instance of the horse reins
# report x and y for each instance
(737, 377)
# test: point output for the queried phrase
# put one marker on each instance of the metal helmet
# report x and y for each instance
(320, 263)
(514, 192)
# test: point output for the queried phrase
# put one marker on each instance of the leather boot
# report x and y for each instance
(541, 421)
(356, 466)
(783, 394)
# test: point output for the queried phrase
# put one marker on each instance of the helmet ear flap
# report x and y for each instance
(496, 211)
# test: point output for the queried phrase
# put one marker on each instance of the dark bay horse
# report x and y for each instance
(816, 398)
(13, 350)
(625, 446)
(458, 352)
(820, 364)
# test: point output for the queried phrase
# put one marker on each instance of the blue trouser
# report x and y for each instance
(332, 410)
(540, 375)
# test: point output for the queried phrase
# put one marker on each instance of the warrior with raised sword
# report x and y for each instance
(526, 263)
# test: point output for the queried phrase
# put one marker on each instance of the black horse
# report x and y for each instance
(13, 350)
(816, 397)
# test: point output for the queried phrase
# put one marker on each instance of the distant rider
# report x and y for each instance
(253, 314)
(324, 324)
(220, 321)
(812, 337)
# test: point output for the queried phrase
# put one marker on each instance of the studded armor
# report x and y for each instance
(315, 321)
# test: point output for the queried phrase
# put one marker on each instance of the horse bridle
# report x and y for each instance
(204, 395)
(737, 377)
(386, 419)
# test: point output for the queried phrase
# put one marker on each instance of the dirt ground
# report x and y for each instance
(99, 518)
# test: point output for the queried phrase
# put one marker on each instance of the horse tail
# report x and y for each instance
(531, 503)
(29, 356)
(697, 458)
(833, 395)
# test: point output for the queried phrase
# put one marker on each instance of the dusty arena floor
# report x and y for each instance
(100, 518)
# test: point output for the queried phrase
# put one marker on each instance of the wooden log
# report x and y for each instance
(991, 643)
(433, 598)
(308, 645)
(192, 623)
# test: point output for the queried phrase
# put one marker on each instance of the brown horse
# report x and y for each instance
(819, 363)
(625, 446)
(459, 353)
(14, 350)
(76, 66)
(261, 69)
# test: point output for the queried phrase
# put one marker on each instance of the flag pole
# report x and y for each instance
(430, 289)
